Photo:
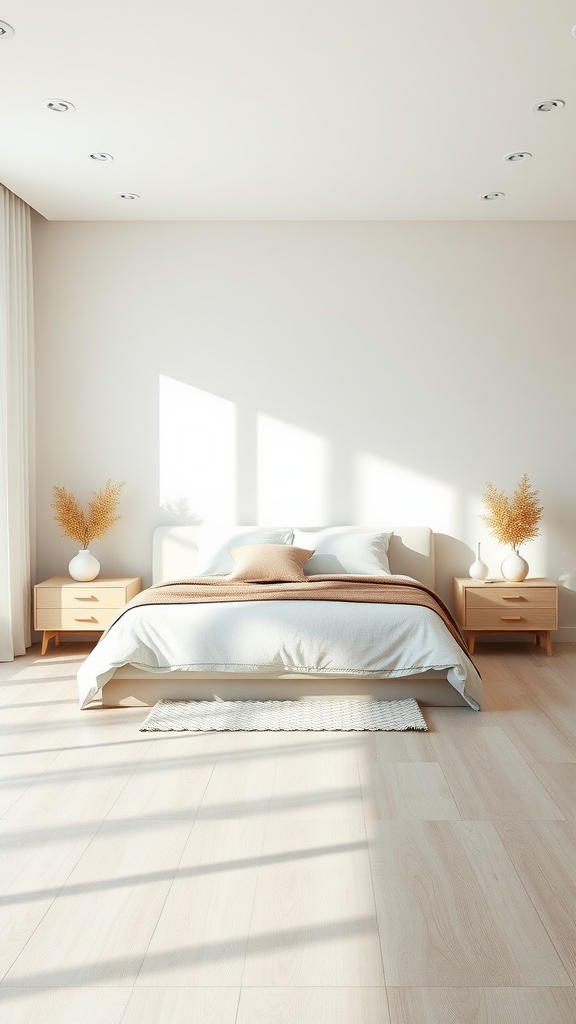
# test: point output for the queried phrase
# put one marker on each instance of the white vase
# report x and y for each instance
(514, 568)
(478, 570)
(84, 567)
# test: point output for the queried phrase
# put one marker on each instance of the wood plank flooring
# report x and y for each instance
(290, 878)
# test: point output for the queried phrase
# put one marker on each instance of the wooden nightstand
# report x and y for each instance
(62, 605)
(502, 607)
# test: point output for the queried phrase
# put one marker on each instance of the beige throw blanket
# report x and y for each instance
(372, 589)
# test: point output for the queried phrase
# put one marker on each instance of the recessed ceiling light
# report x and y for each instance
(515, 158)
(102, 158)
(127, 195)
(59, 106)
(547, 106)
(491, 196)
(6, 30)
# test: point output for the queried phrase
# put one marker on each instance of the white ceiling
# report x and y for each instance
(290, 109)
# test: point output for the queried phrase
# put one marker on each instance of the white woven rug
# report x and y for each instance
(284, 716)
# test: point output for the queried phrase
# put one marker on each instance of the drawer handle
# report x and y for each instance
(513, 597)
(89, 597)
(90, 619)
(511, 618)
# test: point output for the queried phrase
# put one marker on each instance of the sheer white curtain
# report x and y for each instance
(17, 468)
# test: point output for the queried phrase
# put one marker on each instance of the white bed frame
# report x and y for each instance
(411, 552)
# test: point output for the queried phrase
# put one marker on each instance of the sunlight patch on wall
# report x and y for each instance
(385, 492)
(197, 471)
(293, 466)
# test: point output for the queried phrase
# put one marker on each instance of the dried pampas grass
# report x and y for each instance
(86, 526)
(513, 521)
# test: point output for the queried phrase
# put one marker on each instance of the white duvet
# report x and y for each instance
(320, 637)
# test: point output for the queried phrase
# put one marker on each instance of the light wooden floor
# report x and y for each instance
(288, 878)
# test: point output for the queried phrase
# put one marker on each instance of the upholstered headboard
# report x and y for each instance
(410, 552)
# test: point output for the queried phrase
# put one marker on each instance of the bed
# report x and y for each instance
(261, 647)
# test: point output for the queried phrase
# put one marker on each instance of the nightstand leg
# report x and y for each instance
(548, 642)
(471, 641)
(545, 638)
(46, 637)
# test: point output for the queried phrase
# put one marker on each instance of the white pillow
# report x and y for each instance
(345, 549)
(213, 542)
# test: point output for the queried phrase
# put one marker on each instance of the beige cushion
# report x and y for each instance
(269, 563)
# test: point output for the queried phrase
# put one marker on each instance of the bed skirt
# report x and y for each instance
(131, 688)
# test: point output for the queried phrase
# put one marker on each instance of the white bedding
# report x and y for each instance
(315, 637)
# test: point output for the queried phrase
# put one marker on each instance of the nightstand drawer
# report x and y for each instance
(75, 619)
(80, 597)
(510, 618)
(518, 599)
(530, 607)
(65, 606)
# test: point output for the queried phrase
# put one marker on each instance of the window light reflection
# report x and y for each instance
(197, 438)
(292, 474)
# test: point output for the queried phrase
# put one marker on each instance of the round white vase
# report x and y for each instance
(514, 568)
(84, 567)
(478, 570)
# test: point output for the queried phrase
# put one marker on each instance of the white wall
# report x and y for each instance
(333, 372)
